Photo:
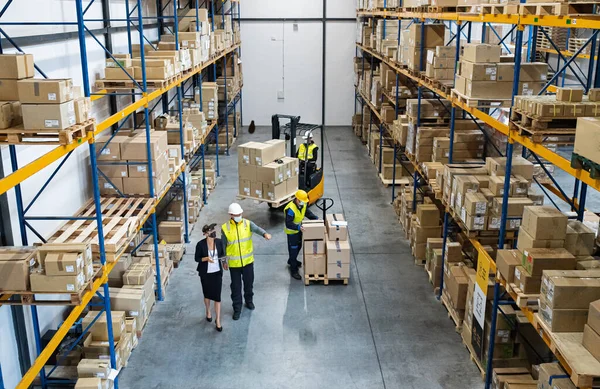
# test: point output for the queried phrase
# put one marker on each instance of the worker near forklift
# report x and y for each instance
(308, 151)
(236, 235)
(295, 212)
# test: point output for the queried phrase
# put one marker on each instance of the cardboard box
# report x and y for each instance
(291, 185)
(527, 283)
(475, 204)
(15, 264)
(140, 185)
(536, 260)
(16, 66)
(570, 293)
(580, 238)
(45, 91)
(119, 74)
(338, 251)
(315, 264)
(91, 383)
(111, 188)
(338, 270)
(67, 284)
(594, 316)
(337, 227)
(9, 90)
(48, 116)
(533, 71)
(82, 109)
(428, 215)
(278, 147)
(506, 261)
(90, 368)
(171, 232)
(434, 35)
(114, 171)
(274, 192)
(544, 222)
(134, 148)
(256, 190)
(272, 173)
(63, 264)
(313, 230)
(245, 187)
(247, 172)
(549, 372)
(571, 95)
(314, 247)
(478, 71)
(262, 154)
(526, 242)
(591, 341)
(457, 284)
(481, 53)
(99, 330)
(587, 138)
(562, 320)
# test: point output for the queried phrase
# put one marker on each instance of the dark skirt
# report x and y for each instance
(211, 285)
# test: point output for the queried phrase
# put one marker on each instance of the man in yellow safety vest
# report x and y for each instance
(295, 212)
(308, 151)
(236, 235)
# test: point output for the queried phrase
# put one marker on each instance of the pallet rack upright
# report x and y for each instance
(583, 179)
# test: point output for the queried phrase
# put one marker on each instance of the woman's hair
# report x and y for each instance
(208, 227)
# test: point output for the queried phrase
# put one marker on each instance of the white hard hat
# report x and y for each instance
(235, 209)
(307, 136)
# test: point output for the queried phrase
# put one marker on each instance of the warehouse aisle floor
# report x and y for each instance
(384, 330)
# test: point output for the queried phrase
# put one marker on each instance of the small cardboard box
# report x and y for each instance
(571, 293)
(475, 204)
(428, 215)
(274, 192)
(338, 251)
(571, 95)
(562, 320)
(594, 316)
(580, 238)
(15, 264)
(457, 284)
(313, 230)
(91, 383)
(338, 270)
(99, 329)
(315, 264)
(68, 284)
(45, 91)
(62, 264)
(587, 138)
(16, 66)
(591, 341)
(526, 282)
(48, 116)
(314, 247)
(544, 222)
(93, 368)
(9, 90)
(337, 227)
(526, 242)
(536, 260)
(549, 372)
(481, 53)
(506, 261)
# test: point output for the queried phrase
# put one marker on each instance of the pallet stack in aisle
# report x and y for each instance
(326, 250)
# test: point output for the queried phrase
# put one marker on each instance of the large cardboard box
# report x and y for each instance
(580, 238)
(506, 261)
(134, 148)
(274, 192)
(247, 172)
(533, 71)
(570, 293)
(549, 372)
(313, 230)
(278, 147)
(591, 341)
(526, 241)
(338, 270)
(338, 251)
(587, 138)
(562, 320)
(67, 284)
(478, 71)
(434, 35)
(170, 232)
(91, 383)
(48, 116)
(99, 329)
(536, 260)
(526, 282)
(15, 264)
(428, 215)
(119, 73)
(263, 154)
(132, 301)
(457, 284)
(257, 190)
(315, 264)
(544, 222)
(111, 188)
(9, 90)
(16, 66)
(245, 187)
(337, 227)
(272, 173)
(63, 264)
(314, 247)
(140, 185)
(481, 53)
(45, 91)
(89, 368)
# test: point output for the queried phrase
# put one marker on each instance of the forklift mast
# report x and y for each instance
(291, 136)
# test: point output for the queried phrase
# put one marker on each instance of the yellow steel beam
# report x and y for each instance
(566, 53)
(581, 21)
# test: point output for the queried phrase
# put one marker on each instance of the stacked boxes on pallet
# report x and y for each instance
(314, 248)
(14, 67)
(265, 172)
(338, 247)
(441, 63)
(409, 51)
(62, 268)
(425, 224)
(95, 346)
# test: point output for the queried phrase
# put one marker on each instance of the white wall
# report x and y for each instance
(287, 57)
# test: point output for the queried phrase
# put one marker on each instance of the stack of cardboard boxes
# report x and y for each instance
(93, 373)
(130, 174)
(591, 331)
(62, 268)
(387, 37)
(96, 344)
(482, 74)
(210, 100)
(567, 103)
(171, 231)
(409, 50)
(468, 144)
(314, 248)
(425, 224)
(14, 67)
(440, 63)
(338, 247)
(265, 172)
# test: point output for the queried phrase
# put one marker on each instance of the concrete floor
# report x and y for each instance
(384, 330)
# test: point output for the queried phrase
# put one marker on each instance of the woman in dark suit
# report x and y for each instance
(209, 252)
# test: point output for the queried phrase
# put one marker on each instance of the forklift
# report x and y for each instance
(310, 175)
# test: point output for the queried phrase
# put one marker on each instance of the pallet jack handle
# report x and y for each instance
(322, 205)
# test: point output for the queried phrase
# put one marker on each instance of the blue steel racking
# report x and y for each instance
(140, 99)
(520, 23)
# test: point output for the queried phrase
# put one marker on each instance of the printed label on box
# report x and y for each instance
(105, 152)
(52, 96)
(50, 123)
(70, 287)
(141, 169)
(70, 269)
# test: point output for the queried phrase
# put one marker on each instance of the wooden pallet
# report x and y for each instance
(498, 9)
(129, 84)
(579, 162)
(272, 203)
(536, 122)
(541, 136)
(422, 8)
(557, 9)
(137, 208)
(452, 314)
(467, 343)
(52, 298)
(480, 103)
(568, 346)
(322, 278)
(19, 136)
(399, 181)
(524, 300)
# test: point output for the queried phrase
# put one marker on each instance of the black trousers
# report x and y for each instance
(239, 274)
(294, 242)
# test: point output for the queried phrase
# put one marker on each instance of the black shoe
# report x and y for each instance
(236, 315)
(296, 276)
(220, 329)
(250, 306)
(299, 264)
(209, 319)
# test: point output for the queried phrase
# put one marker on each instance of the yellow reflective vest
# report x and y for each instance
(298, 216)
(239, 243)
(302, 151)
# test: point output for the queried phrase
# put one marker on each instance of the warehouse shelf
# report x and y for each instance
(141, 99)
(582, 178)
(567, 53)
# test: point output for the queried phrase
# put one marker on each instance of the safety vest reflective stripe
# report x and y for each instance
(298, 216)
(239, 249)
(302, 151)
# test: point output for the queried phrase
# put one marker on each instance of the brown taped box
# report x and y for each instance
(245, 187)
(338, 251)
(63, 264)
(314, 247)
(434, 35)
(594, 316)
(428, 215)
(134, 148)
(256, 190)
(93, 368)
(481, 53)
(457, 286)
(92, 383)
(338, 270)
(570, 293)
(315, 264)
(550, 372)
(526, 242)
(16, 66)
(526, 282)
(48, 116)
(68, 284)
(111, 188)
(15, 264)
(506, 261)
(313, 230)
(562, 320)
(272, 173)
(500, 374)
(536, 260)
(591, 341)
(99, 329)
(515, 207)
(587, 139)
(475, 204)
(247, 172)
(275, 192)
(45, 91)
(544, 222)
(141, 170)
(570, 95)
(140, 185)
(478, 71)
(337, 227)
(9, 90)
